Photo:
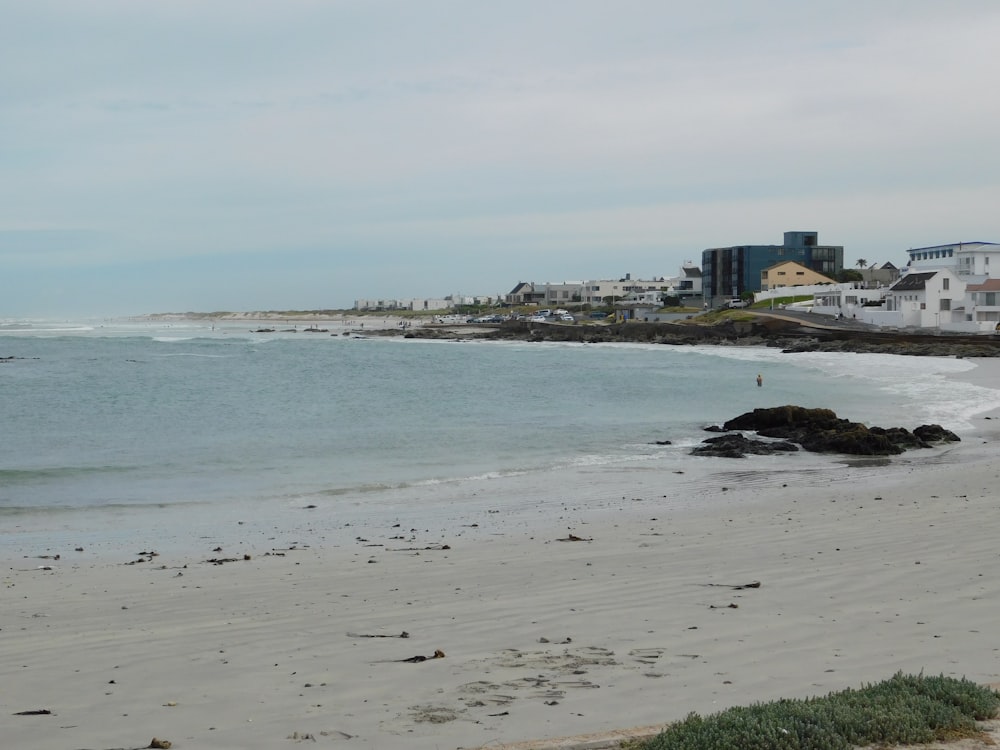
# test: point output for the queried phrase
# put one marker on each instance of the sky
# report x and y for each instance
(209, 155)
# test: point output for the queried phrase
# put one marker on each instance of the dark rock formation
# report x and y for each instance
(935, 433)
(789, 336)
(738, 446)
(822, 431)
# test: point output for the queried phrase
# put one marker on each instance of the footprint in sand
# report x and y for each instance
(484, 692)
(647, 655)
(432, 714)
(569, 661)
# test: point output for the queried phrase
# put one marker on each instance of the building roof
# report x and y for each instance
(783, 263)
(692, 272)
(953, 244)
(989, 285)
(912, 282)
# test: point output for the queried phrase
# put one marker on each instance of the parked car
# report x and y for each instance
(567, 318)
(538, 319)
(737, 302)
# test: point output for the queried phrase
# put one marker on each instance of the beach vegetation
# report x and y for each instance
(905, 709)
(722, 315)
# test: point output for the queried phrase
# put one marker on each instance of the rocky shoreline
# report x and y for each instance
(789, 335)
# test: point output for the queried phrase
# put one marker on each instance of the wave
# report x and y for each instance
(917, 388)
(12, 511)
(9, 477)
(193, 354)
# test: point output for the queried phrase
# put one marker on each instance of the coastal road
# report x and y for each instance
(813, 320)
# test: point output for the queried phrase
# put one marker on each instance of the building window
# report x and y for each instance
(944, 283)
(945, 305)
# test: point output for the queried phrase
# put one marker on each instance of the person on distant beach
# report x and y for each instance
(760, 380)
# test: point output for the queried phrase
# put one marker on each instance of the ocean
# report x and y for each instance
(188, 431)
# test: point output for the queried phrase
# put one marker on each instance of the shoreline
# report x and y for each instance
(856, 584)
(601, 609)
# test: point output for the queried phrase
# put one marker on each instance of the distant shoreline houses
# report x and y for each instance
(944, 287)
(597, 293)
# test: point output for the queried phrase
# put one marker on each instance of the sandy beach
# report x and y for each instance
(579, 620)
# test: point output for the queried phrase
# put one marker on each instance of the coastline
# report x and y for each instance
(864, 570)
(985, 374)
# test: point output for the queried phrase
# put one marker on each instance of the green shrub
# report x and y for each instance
(905, 709)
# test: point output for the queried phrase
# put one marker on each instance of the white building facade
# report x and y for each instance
(929, 299)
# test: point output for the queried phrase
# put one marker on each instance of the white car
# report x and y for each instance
(538, 319)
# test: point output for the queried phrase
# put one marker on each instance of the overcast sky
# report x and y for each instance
(200, 155)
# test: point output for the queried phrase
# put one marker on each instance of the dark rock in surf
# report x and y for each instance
(738, 446)
(822, 431)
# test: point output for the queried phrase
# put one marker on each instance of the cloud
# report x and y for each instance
(561, 136)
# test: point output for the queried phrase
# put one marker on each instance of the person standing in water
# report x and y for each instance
(760, 380)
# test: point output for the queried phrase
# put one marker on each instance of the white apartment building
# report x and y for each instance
(968, 258)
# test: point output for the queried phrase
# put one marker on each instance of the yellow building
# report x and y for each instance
(790, 273)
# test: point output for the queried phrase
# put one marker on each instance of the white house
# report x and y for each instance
(982, 304)
(402, 304)
(928, 299)
(596, 291)
(602, 291)
(969, 308)
(566, 293)
(857, 302)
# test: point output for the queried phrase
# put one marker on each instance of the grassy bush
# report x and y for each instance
(905, 709)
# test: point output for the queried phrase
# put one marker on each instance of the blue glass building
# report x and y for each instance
(730, 271)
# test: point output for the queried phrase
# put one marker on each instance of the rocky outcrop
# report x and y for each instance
(789, 336)
(929, 346)
(935, 433)
(738, 446)
(822, 431)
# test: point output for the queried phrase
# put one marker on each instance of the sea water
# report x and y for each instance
(124, 427)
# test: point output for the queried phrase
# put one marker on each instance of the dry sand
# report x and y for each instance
(647, 617)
